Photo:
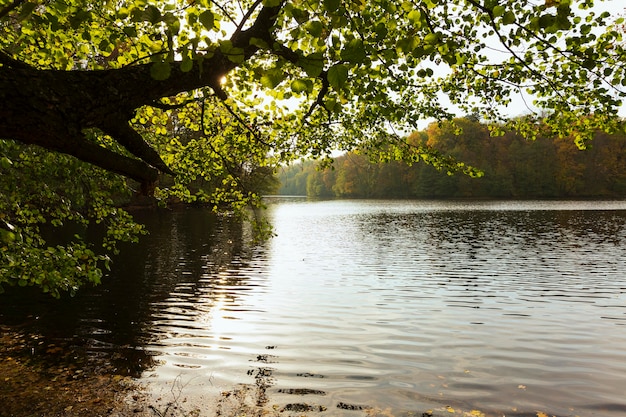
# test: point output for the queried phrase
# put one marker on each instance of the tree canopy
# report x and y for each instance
(197, 99)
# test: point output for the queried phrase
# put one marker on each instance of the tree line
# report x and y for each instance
(510, 165)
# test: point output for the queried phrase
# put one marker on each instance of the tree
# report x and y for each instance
(115, 84)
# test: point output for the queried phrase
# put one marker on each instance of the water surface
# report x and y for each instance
(401, 306)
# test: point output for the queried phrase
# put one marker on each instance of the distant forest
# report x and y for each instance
(513, 167)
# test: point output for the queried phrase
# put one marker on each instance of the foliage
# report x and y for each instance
(43, 192)
(512, 167)
(201, 101)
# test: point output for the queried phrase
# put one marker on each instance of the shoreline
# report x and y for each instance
(61, 384)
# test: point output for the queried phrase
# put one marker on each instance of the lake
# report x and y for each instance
(362, 307)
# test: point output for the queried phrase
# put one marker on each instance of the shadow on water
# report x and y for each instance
(109, 326)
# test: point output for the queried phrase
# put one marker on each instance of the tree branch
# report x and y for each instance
(319, 100)
(10, 7)
(68, 102)
(111, 161)
(9, 61)
(132, 140)
(247, 16)
(164, 106)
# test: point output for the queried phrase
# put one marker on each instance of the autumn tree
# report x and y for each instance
(512, 166)
(166, 93)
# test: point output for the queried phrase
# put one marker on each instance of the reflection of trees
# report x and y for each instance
(113, 321)
(459, 246)
(475, 239)
(528, 228)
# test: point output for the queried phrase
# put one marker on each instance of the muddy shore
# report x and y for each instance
(60, 383)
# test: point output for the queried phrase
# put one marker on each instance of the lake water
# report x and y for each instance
(371, 307)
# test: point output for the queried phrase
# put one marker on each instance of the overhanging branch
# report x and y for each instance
(10, 62)
(111, 161)
(128, 137)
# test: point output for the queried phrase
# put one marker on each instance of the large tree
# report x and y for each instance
(184, 90)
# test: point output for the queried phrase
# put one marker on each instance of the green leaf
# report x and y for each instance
(160, 71)
(381, 31)
(259, 43)
(301, 86)
(233, 54)
(315, 28)
(77, 19)
(236, 55)
(354, 52)
(312, 64)
(415, 16)
(508, 18)
(272, 78)
(271, 3)
(331, 5)
(130, 31)
(5, 163)
(431, 38)
(546, 20)
(27, 9)
(331, 104)
(207, 19)
(186, 65)
(407, 45)
(499, 11)
(152, 14)
(6, 236)
(337, 76)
